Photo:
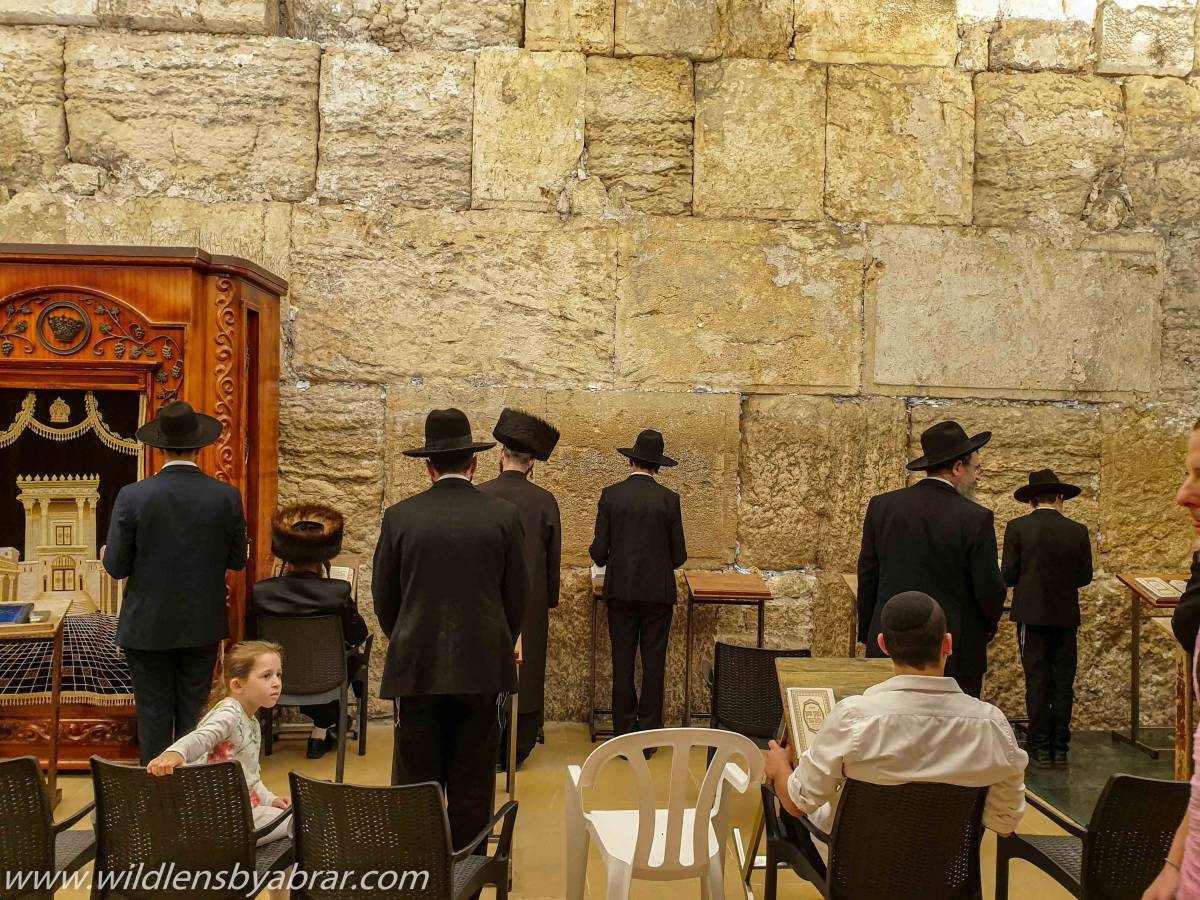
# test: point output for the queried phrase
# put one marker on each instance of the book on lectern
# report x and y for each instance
(1159, 591)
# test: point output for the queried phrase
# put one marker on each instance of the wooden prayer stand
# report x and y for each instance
(594, 729)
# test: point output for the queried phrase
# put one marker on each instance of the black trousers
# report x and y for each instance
(528, 724)
(1049, 656)
(170, 690)
(632, 626)
(451, 739)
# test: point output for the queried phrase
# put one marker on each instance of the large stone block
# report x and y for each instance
(760, 139)
(903, 32)
(33, 217)
(701, 432)
(808, 467)
(408, 24)
(1042, 142)
(216, 16)
(49, 12)
(396, 127)
(898, 145)
(1162, 161)
(739, 306)
(705, 29)
(1146, 39)
(567, 646)
(585, 25)
(195, 115)
(33, 130)
(490, 297)
(528, 127)
(639, 131)
(1179, 371)
(1000, 312)
(1034, 45)
(1142, 464)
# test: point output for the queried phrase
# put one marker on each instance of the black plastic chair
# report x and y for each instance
(30, 840)
(199, 818)
(316, 670)
(357, 829)
(1118, 854)
(745, 691)
(915, 841)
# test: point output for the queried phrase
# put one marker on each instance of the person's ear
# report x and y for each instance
(882, 645)
(948, 644)
(474, 465)
(430, 469)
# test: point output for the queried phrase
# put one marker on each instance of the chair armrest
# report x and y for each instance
(812, 829)
(75, 817)
(508, 812)
(1070, 827)
(738, 777)
(574, 773)
(273, 824)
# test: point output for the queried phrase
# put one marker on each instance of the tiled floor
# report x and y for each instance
(540, 854)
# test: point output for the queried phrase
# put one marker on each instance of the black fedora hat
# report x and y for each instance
(305, 533)
(1045, 483)
(648, 449)
(525, 433)
(179, 427)
(448, 431)
(945, 441)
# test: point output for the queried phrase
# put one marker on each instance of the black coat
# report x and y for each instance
(639, 538)
(1185, 621)
(450, 588)
(173, 535)
(307, 594)
(928, 537)
(543, 552)
(1047, 559)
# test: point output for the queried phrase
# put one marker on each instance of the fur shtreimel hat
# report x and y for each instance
(526, 433)
(306, 533)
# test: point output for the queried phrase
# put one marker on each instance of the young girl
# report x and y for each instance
(253, 676)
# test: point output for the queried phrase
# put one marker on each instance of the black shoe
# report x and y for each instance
(318, 747)
(1061, 760)
(1042, 759)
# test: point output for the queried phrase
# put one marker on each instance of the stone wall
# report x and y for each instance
(789, 233)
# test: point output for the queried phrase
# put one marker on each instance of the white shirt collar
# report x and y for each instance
(645, 474)
(1046, 508)
(180, 462)
(916, 683)
(453, 475)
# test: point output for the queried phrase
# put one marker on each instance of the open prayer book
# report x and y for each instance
(806, 709)
(1162, 593)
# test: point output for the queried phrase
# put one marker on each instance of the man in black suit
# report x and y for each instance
(1047, 559)
(931, 537)
(450, 589)
(639, 538)
(173, 536)
(525, 438)
(306, 536)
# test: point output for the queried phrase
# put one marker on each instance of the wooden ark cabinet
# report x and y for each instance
(164, 323)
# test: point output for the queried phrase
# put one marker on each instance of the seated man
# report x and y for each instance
(917, 726)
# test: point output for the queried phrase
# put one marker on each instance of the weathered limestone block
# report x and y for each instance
(705, 29)
(898, 145)
(1071, 319)
(1145, 39)
(808, 467)
(1162, 163)
(33, 130)
(1034, 45)
(340, 22)
(566, 697)
(973, 38)
(760, 139)
(639, 131)
(33, 217)
(903, 32)
(1179, 372)
(1142, 454)
(493, 297)
(701, 432)
(331, 451)
(528, 132)
(396, 127)
(195, 115)
(216, 16)
(1041, 141)
(408, 24)
(49, 12)
(739, 306)
(835, 614)
(585, 25)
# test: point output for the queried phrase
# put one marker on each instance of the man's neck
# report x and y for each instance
(931, 672)
(519, 470)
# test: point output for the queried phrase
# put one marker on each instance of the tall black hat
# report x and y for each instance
(306, 533)
(1044, 483)
(525, 433)
(179, 427)
(448, 431)
(648, 449)
(945, 441)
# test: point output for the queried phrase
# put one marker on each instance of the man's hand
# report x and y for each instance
(1165, 886)
(281, 802)
(779, 761)
(165, 763)
(518, 653)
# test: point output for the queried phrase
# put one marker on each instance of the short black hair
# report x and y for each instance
(645, 465)
(1045, 498)
(965, 459)
(913, 626)
(456, 463)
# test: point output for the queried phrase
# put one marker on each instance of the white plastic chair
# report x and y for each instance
(659, 844)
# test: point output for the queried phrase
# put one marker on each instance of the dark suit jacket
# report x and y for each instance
(306, 594)
(928, 537)
(1047, 559)
(639, 538)
(543, 551)
(1185, 621)
(450, 588)
(173, 535)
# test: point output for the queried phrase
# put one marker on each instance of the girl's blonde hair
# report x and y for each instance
(239, 662)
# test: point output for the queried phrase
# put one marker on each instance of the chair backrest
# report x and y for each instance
(26, 838)
(726, 746)
(314, 652)
(746, 689)
(915, 841)
(198, 817)
(357, 829)
(1130, 832)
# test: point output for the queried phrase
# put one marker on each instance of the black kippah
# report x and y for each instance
(907, 611)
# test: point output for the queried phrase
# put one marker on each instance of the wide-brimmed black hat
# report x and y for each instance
(179, 427)
(648, 449)
(448, 431)
(946, 441)
(525, 433)
(306, 533)
(1045, 483)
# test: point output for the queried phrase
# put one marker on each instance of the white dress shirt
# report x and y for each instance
(914, 728)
